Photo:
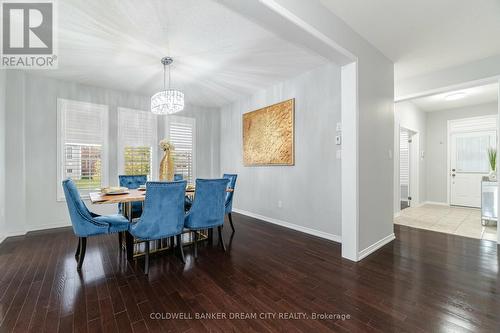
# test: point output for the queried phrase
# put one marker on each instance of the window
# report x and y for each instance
(137, 142)
(81, 145)
(181, 133)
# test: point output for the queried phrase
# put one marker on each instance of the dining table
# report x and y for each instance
(132, 246)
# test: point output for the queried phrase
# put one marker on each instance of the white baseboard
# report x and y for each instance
(289, 225)
(439, 203)
(375, 246)
(38, 227)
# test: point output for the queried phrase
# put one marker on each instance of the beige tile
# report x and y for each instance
(421, 224)
(472, 221)
(490, 236)
(446, 228)
(428, 218)
(492, 228)
(475, 214)
(469, 231)
(454, 220)
(448, 223)
(451, 220)
(403, 220)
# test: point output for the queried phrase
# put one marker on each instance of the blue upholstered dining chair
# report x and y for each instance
(207, 211)
(132, 182)
(163, 215)
(178, 176)
(229, 196)
(87, 224)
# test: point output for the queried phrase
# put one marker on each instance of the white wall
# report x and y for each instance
(2, 153)
(437, 143)
(471, 74)
(309, 190)
(409, 116)
(32, 148)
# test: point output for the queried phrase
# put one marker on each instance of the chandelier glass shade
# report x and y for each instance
(169, 100)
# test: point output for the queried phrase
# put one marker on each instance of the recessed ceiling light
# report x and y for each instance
(455, 96)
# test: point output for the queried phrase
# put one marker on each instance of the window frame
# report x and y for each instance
(184, 120)
(120, 146)
(62, 104)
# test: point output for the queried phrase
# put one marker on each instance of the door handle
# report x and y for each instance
(453, 175)
(453, 170)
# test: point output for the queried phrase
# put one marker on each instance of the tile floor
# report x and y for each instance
(452, 220)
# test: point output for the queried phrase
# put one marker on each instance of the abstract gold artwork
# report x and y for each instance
(268, 135)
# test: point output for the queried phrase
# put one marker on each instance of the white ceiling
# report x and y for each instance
(219, 56)
(473, 96)
(425, 35)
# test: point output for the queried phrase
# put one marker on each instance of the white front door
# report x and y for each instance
(468, 164)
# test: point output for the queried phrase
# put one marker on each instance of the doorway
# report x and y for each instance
(470, 139)
(406, 168)
(457, 132)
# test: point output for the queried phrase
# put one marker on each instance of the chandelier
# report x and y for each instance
(169, 100)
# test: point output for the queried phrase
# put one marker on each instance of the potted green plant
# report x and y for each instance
(492, 158)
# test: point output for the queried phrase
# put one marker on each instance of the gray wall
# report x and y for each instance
(437, 143)
(409, 116)
(2, 152)
(310, 190)
(376, 147)
(32, 145)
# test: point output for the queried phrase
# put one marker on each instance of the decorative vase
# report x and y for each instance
(167, 167)
(167, 162)
(492, 176)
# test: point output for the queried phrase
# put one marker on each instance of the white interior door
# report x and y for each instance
(468, 164)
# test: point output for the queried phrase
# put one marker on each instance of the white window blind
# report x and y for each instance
(472, 152)
(82, 138)
(181, 133)
(137, 142)
(404, 164)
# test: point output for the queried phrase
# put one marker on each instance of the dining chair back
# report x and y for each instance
(207, 211)
(85, 223)
(163, 214)
(229, 196)
(132, 182)
(81, 218)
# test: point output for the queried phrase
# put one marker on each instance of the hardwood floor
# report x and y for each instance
(422, 282)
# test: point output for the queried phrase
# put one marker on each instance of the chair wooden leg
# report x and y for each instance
(221, 240)
(195, 244)
(179, 245)
(77, 254)
(120, 240)
(146, 259)
(210, 236)
(83, 247)
(230, 220)
(172, 242)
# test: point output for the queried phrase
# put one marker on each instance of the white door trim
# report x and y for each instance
(414, 167)
(498, 131)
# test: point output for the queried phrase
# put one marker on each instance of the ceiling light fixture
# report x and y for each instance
(169, 100)
(454, 96)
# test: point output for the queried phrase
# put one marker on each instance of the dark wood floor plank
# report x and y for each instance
(422, 282)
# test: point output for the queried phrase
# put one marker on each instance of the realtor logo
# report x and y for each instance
(28, 35)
